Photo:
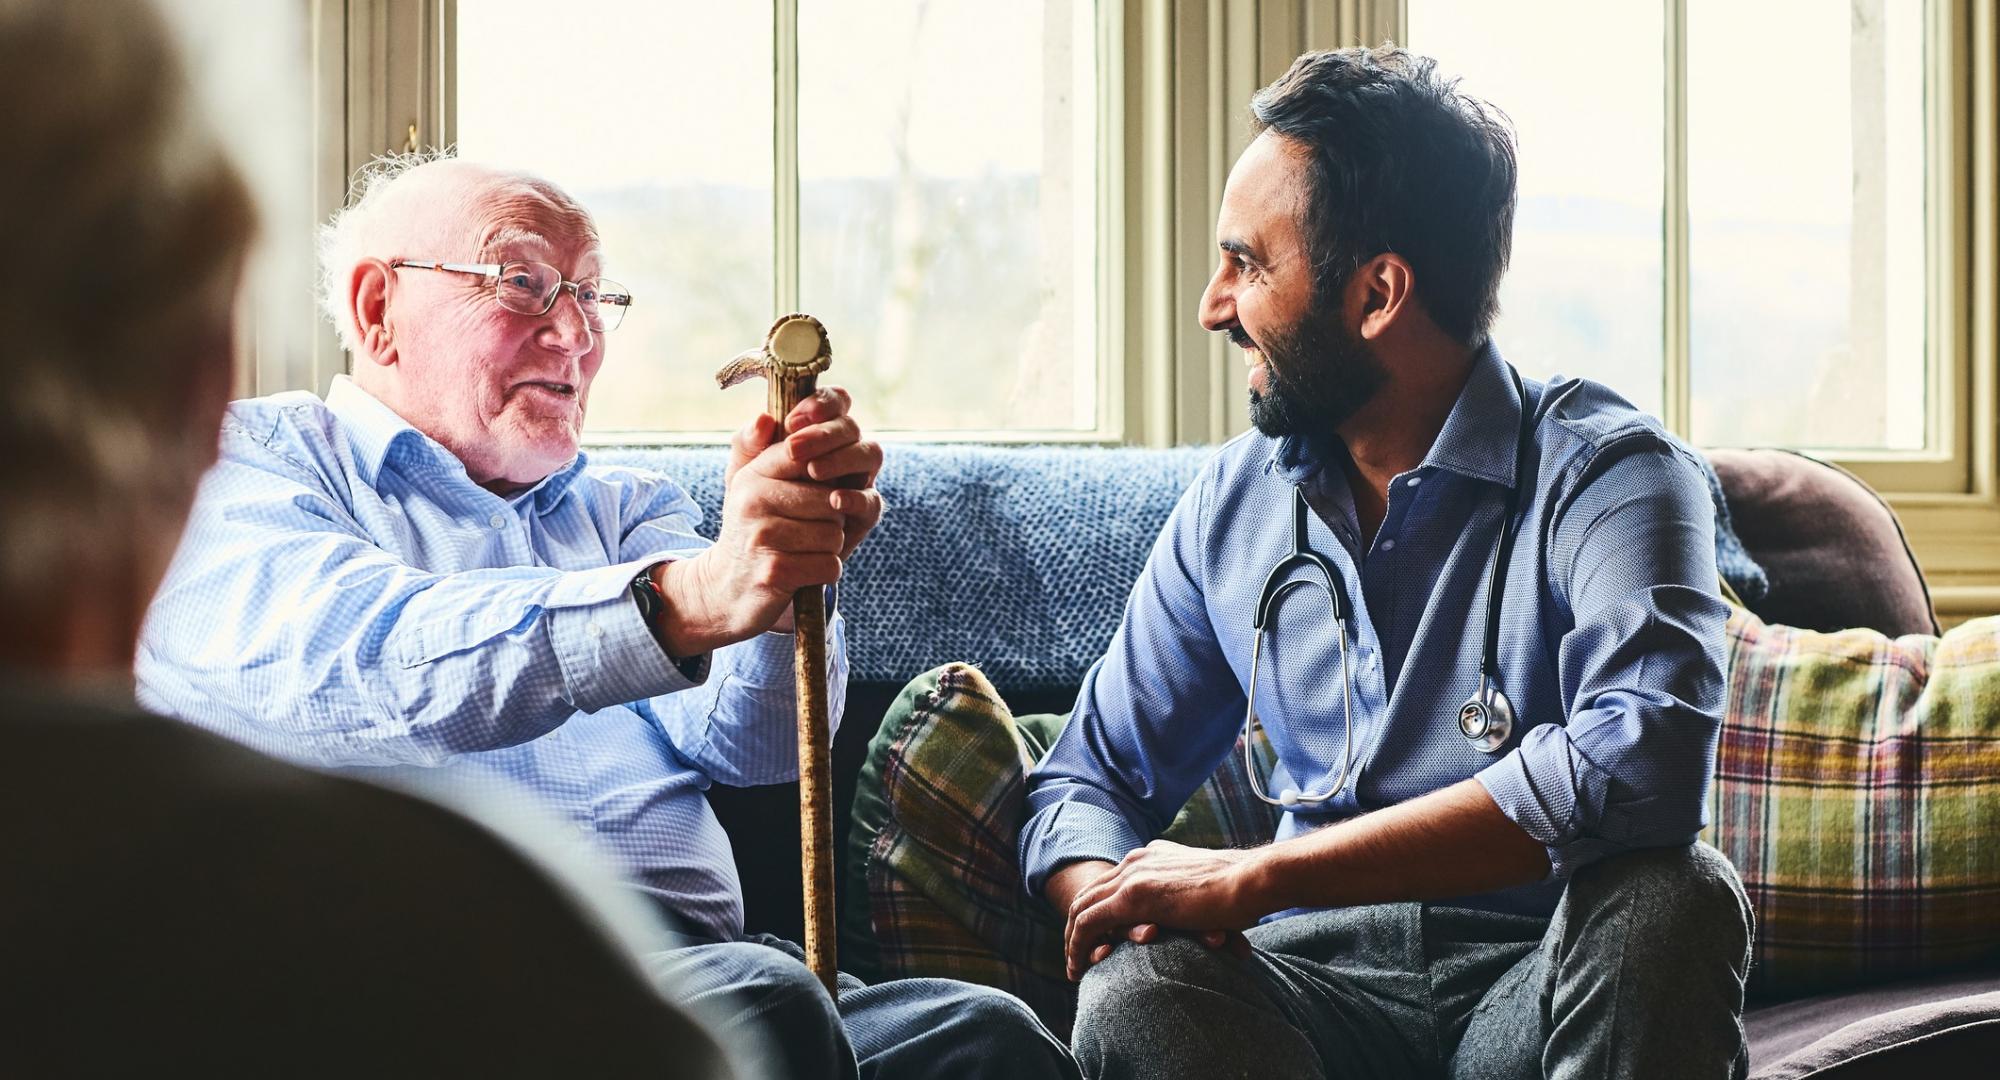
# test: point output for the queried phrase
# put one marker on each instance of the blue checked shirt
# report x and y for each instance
(1611, 640)
(346, 596)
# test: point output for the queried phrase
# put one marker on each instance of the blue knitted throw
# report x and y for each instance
(1016, 559)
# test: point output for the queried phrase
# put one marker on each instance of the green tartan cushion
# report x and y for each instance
(1857, 790)
(931, 847)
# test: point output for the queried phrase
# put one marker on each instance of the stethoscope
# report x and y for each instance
(1487, 717)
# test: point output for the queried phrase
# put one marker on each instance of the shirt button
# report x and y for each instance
(1415, 480)
(1388, 545)
(498, 521)
(596, 630)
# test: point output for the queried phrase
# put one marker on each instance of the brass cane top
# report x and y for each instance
(796, 347)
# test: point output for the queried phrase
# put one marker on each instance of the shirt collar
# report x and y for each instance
(1480, 437)
(1482, 433)
(379, 435)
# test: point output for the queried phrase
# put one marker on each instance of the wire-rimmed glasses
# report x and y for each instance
(531, 288)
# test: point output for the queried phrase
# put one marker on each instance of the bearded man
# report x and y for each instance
(1487, 865)
(423, 570)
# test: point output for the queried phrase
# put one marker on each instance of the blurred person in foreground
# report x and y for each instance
(423, 572)
(170, 901)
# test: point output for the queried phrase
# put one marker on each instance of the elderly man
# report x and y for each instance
(172, 903)
(423, 570)
(1477, 617)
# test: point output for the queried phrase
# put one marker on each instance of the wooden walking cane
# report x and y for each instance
(794, 353)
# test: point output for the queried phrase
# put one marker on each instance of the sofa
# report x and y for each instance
(1017, 560)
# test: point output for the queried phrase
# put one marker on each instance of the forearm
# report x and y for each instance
(1451, 842)
(1073, 878)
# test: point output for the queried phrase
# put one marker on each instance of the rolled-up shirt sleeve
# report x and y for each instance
(1152, 722)
(1632, 556)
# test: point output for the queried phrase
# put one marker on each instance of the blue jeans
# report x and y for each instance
(1638, 974)
(759, 996)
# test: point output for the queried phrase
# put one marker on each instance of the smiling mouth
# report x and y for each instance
(560, 389)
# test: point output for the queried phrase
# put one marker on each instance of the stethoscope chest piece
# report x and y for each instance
(1487, 718)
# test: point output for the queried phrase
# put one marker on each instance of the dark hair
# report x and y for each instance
(1400, 161)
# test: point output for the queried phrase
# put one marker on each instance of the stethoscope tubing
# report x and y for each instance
(1293, 796)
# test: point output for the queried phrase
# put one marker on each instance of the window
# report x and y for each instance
(1583, 293)
(1723, 208)
(1805, 221)
(921, 176)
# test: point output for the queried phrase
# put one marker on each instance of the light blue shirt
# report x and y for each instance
(1611, 640)
(347, 596)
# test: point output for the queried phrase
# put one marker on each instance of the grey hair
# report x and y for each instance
(343, 240)
(127, 227)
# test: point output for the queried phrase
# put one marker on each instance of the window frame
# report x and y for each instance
(1174, 80)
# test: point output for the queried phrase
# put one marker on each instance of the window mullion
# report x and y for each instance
(1676, 369)
(785, 156)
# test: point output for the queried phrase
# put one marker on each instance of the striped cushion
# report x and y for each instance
(1858, 793)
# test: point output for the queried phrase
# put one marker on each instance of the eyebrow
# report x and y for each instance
(509, 239)
(1238, 248)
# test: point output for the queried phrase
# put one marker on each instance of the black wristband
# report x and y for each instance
(652, 605)
(646, 594)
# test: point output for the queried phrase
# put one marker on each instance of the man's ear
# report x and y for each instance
(369, 287)
(1385, 291)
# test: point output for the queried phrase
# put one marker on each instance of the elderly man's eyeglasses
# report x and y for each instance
(531, 288)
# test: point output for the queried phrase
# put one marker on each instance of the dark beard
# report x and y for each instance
(1318, 373)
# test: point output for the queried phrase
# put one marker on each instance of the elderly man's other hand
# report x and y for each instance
(795, 505)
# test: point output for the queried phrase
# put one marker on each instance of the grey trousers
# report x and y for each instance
(1639, 973)
(761, 999)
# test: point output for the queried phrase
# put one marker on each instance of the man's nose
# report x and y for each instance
(1218, 304)
(564, 327)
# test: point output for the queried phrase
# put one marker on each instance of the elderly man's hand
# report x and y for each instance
(794, 507)
(821, 436)
(1163, 886)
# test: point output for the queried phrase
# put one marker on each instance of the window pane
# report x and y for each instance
(1806, 223)
(947, 193)
(667, 140)
(1583, 295)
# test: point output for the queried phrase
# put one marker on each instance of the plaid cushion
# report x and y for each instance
(1858, 793)
(932, 846)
